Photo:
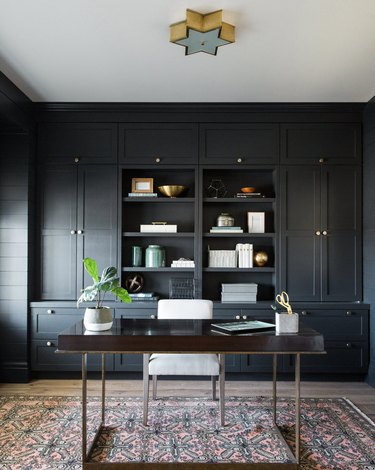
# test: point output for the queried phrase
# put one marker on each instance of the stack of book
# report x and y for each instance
(245, 255)
(226, 230)
(222, 259)
(248, 195)
(160, 228)
(142, 195)
(239, 293)
(185, 263)
(144, 297)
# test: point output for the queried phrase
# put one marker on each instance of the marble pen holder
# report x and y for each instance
(286, 323)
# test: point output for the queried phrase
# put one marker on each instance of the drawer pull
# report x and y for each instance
(304, 313)
(80, 232)
(49, 343)
(237, 317)
(349, 313)
(50, 311)
(348, 345)
(153, 317)
(76, 159)
(239, 160)
(244, 317)
(322, 160)
(157, 159)
(318, 233)
(73, 232)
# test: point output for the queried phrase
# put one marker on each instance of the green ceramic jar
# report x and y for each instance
(155, 256)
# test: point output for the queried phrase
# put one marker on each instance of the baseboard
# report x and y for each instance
(19, 375)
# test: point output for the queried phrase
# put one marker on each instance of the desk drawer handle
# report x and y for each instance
(49, 343)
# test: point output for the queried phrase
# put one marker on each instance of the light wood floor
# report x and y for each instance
(361, 394)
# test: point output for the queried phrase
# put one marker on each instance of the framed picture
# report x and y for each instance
(142, 185)
(255, 222)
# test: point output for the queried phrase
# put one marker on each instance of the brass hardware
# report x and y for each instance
(321, 160)
(157, 160)
(317, 233)
(325, 232)
(80, 232)
(76, 159)
(73, 232)
(304, 312)
(348, 313)
(49, 343)
(50, 311)
(239, 160)
(237, 317)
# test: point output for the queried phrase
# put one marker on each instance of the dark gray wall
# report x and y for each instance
(369, 225)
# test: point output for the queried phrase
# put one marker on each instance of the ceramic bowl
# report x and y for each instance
(172, 190)
(248, 189)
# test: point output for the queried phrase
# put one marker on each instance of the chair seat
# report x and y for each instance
(184, 364)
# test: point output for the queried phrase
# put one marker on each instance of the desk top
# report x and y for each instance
(184, 336)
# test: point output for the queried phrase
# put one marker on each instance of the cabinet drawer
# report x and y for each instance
(342, 357)
(44, 357)
(158, 143)
(337, 324)
(89, 143)
(51, 321)
(332, 142)
(136, 313)
(237, 144)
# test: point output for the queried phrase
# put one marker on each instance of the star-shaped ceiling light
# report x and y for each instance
(202, 33)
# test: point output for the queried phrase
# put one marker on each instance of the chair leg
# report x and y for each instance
(146, 381)
(154, 386)
(222, 389)
(213, 382)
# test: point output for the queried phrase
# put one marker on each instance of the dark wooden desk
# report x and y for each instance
(185, 336)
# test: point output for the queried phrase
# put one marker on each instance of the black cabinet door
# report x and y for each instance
(97, 219)
(78, 142)
(341, 233)
(159, 143)
(239, 143)
(329, 142)
(300, 222)
(58, 209)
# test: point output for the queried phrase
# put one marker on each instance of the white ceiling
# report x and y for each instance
(119, 50)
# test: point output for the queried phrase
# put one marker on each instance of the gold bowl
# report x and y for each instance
(172, 190)
(248, 189)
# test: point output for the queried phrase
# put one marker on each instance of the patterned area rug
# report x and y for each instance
(43, 433)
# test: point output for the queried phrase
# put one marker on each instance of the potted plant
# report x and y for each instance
(100, 318)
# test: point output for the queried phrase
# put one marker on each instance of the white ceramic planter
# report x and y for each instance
(98, 319)
(286, 323)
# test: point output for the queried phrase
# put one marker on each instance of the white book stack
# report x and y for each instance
(245, 255)
(222, 259)
(186, 263)
(239, 293)
(161, 228)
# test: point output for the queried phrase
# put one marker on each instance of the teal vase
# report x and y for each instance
(155, 256)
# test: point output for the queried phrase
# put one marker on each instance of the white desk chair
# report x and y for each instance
(184, 364)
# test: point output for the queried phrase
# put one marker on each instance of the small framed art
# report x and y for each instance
(142, 185)
(255, 222)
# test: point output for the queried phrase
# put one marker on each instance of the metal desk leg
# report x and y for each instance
(274, 390)
(84, 407)
(298, 404)
(103, 389)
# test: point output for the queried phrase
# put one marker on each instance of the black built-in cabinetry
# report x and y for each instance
(308, 172)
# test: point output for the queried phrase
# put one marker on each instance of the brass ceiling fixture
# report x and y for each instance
(202, 33)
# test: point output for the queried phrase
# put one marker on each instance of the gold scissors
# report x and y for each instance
(283, 299)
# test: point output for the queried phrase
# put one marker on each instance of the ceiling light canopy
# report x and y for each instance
(202, 33)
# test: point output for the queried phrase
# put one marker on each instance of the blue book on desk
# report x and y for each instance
(250, 326)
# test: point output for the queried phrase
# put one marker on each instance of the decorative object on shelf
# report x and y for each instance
(140, 194)
(222, 258)
(155, 256)
(239, 293)
(248, 189)
(183, 263)
(220, 230)
(183, 288)
(142, 185)
(256, 222)
(158, 227)
(172, 190)
(144, 297)
(134, 283)
(100, 318)
(249, 195)
(285, 322)
(260, 258)
(216, 189)
(225, 220)
(136, 256)
(202, 32)
(244, 255)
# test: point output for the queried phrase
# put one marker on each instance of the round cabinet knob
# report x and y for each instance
(322, 160)
(49, 343)
(244, 317)
(348, 345)
(76, 159)
(325, 233)
(318, 233)
(152, 317)
(304, 313)
(348, 313)
(73, 232)
(80, 232)
(157, 159)
(50, 311)
(237, 317)
(239, 160)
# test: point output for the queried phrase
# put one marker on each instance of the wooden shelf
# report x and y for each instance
(238, 200)
(238, 270)
(173, 200)
(142, 269)
(159, 234)
(239, 235)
